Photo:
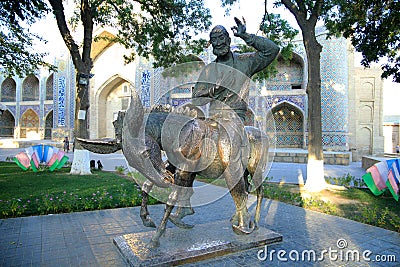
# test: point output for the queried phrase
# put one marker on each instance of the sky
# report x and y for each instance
(251, 10)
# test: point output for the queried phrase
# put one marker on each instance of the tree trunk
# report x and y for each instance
(315, 167)
(81, 161)
(83, 65)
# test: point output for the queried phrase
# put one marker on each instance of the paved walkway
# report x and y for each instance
(85, 238)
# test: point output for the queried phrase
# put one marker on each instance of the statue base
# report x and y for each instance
(179, 246)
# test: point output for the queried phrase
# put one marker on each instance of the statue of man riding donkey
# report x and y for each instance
(224, 144)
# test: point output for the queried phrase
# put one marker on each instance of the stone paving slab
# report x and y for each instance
(179, 246)
(86, 238)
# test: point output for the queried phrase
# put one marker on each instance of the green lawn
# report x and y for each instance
(24, 193)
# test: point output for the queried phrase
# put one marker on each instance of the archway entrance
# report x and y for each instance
(114, 97)
(7, 124)
(48, 125)
(30, 125)
(288, 125)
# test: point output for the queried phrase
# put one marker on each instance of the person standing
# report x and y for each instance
(66, 144)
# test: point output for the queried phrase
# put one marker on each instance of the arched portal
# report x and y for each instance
(29, 124)
(289, 125)
(113, 96)
(7, 124)
(8, 90)
(48, 125)
(49, 87)
(30, 88)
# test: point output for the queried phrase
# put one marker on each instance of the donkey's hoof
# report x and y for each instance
(178, 222)
(242, 230)
(149, 223)
(153, 244)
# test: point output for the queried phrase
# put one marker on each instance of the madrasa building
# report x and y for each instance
(41, 106)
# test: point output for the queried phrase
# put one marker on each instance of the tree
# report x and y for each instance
(16, 53)
(307, 14)
(162, 29)
(373, 28)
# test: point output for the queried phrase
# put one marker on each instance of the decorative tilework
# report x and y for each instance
(8, 90)
(30, 88)
(71, 96)
(30, 119)
(47, 109)
(61, 102)
(24, 108)
(12, 109)
(49, 88)
(145, 88)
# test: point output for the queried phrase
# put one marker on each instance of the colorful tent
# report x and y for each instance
(382, 176)
(46, 155)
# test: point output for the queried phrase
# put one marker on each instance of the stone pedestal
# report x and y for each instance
(179, 246)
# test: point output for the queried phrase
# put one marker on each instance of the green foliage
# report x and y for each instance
(361, 206)
(120, 169)
(17, 56)
(279, 31)
(25, 193)
(346, 180)
(373, 27)
(163, 30)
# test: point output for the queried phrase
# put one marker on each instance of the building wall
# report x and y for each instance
(107, 97)
(30, 113)
(367, 113)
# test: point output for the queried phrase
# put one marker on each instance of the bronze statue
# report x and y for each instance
(218, 146)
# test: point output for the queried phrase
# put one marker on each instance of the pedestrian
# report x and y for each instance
(66, 144)
(398, 149)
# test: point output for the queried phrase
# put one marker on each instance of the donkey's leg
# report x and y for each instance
(241, 221)
(184, 179)
(258, 207)
(155, 240)
(144, 213)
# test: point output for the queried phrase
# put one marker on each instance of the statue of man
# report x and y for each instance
(224, 84)
(226, 79)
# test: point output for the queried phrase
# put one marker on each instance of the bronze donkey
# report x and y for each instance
(193, 147)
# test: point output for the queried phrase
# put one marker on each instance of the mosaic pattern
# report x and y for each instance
(7, 124)
(47, 109)
(71, 96)
(61, 101)
(30, 119)
(288, 126)
(49, 88)
(289, 74)
(30, 88)
(145, 88)
(48, 125)
(24, 108)
(334, 92)
(8, 90)
(297, 100)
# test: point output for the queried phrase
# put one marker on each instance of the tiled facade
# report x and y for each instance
(351, 97)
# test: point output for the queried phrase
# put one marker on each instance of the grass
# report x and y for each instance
(353, 203)
(25, 193)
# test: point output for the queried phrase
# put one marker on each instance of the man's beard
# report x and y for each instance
(221, 51)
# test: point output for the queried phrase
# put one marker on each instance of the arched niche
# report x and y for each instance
(8, 90)
(113, 96)
(289, 125)
(30, 88)
(49, 87)
(7, 124)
